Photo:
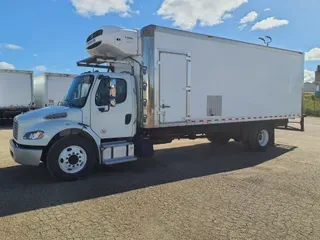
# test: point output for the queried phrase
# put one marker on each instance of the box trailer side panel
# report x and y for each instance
(58, 85)
(211, 79)
(40, 90)
(16, 89)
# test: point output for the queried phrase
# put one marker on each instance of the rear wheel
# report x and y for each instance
(71, 158)
(260, 138)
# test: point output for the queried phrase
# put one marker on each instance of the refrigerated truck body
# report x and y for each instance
(16, 92)
(161, 84)
(51, 88)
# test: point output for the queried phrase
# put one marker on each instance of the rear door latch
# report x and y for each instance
(165, 106)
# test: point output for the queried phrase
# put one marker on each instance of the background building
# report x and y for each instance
(310, 87)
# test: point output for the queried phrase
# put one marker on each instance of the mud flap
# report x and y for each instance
(272, 142)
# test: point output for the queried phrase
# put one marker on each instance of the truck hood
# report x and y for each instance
(41, 114)
(50, 120)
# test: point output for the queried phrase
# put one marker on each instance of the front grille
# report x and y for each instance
(15, 129)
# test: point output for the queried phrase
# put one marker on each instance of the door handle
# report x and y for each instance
(165, 106)
(128, 119)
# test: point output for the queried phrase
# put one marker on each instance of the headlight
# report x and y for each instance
(36, 135)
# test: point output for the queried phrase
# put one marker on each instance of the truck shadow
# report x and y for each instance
(24, 188)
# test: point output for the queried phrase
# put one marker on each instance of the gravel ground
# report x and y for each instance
(190, 191)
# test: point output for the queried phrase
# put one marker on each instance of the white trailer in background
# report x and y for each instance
(16, 92)
(161, 84)
(51, 88)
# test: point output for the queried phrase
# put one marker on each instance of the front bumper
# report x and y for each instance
(25, 156)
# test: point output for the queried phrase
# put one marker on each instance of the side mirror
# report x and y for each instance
(112, 93)
(112, 102)
(112, 89)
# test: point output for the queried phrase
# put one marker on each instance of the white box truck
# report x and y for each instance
(16, 92)
(161, 84)
(51, 88)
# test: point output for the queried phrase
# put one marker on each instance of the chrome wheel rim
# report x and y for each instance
(263, 138)
(72, 159)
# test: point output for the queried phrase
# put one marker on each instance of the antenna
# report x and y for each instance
(270, 40)
(266, 42)
(262, 39)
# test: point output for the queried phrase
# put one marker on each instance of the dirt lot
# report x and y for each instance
(190, 191)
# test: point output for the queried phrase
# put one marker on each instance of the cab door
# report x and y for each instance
(112, 121)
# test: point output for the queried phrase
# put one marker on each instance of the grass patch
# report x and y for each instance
(311, 105)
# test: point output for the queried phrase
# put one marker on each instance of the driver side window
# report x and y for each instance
(102, 95)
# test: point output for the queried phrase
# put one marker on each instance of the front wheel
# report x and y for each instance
(71, 158)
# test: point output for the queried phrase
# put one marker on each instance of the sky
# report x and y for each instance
(49, 35)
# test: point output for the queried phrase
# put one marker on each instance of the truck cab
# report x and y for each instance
(95, 124)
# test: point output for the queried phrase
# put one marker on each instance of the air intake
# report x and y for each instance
(95, 34)
(94, 45)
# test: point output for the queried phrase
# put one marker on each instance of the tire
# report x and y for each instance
(71, 158)
(260, 138)
(220, 139)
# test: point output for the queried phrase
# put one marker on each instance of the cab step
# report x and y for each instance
(117, 152)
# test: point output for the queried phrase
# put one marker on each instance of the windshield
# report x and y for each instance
(79, 91)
